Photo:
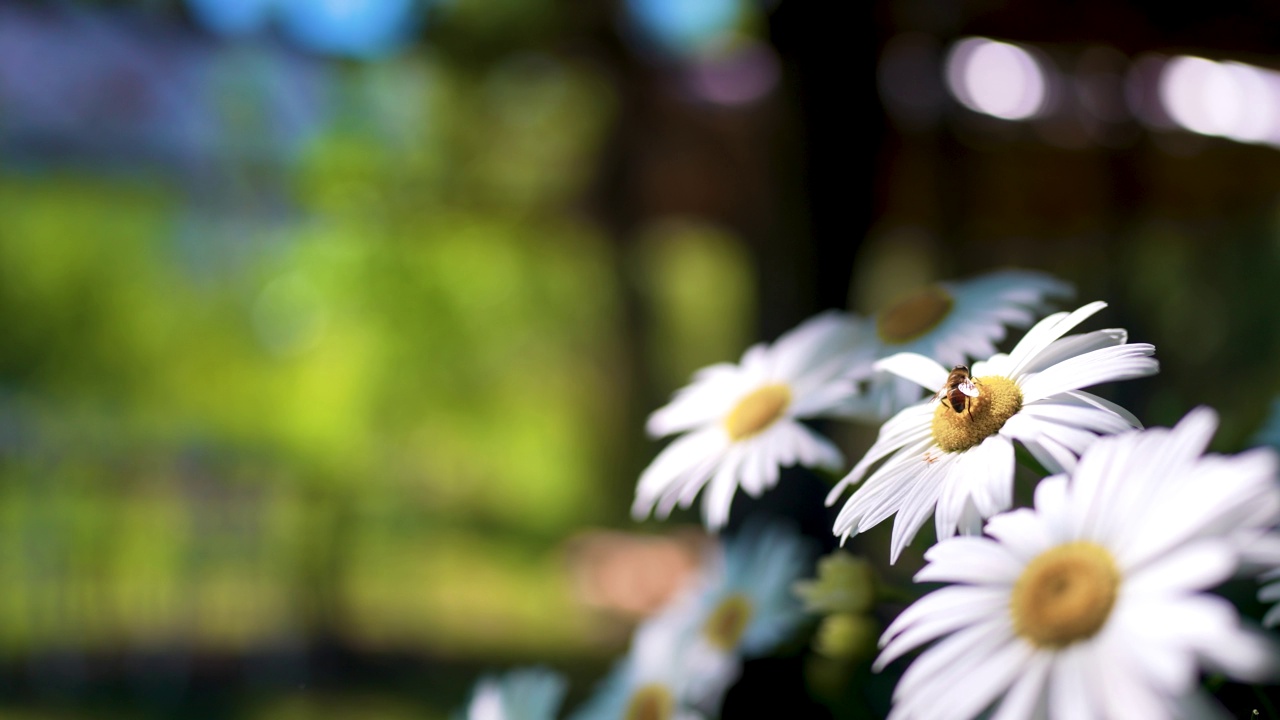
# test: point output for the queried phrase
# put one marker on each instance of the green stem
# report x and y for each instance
(893, 593)
(1266, 704)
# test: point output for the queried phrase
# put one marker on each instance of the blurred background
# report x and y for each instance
(328, 327)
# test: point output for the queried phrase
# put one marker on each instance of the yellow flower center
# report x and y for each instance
(1065, 594)
(727, 622)
(915, 316)
(650, 702)
(757, 411)
(998, 400)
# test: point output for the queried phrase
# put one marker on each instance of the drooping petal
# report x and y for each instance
(687, 461)
(934, 615)
(917, 368)
(908, 427)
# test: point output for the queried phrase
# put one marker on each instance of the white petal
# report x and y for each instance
(976, 560)
(909, 426)
(1073, 345)
(688, 460)
(1218, 637)
(1272, 618)
(1070, 697)
(971, 520)
(810, 448)
(997, 364)
(951, 499)
(939, 613)
(966, 698)
(1143, 626)
(831, 399)
(1052, 506)
(1027, 693)
(993, 493)
(1094, 400)
(1195, 567)
(917, 368)
(1067, 411)
(1269, 593)
(1075, 440)
(1101, 485)
(916, 508)
(1121, 679)
(755, 362)
(755, 457)
(883, 492)
(1123, 362)
(1022, 532)
(1031, 433)
(812, 343)
(1043, 333)
(714, 392)
(719, 495)
(960, 661)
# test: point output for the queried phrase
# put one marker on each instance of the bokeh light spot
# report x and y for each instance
(997, 79)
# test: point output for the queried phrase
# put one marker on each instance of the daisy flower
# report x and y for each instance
(959, 457)
(1092, 604)
(664, 675)
(531, 694)
(745, 595)
(952, 322)
(742, 422)
(685, 658)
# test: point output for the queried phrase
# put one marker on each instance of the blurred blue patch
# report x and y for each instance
(231, 17)
(684, 26)
(95, 87)
(350, 28)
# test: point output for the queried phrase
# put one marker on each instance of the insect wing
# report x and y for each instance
(968, 388)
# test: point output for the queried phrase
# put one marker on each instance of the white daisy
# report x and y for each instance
(742, 421)
(665, 676)
(952, 322)
(962, 460)
(741, 605)
(1092, 604)
(745, 594)
(530, 694)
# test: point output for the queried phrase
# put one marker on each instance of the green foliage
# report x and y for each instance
(374, 418)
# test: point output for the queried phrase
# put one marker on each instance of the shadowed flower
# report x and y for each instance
(530, 694)
(951, 322)
(684, 659)
(665, 675)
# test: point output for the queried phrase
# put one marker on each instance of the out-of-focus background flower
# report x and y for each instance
(328, 327)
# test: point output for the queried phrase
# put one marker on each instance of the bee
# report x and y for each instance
(958, 389)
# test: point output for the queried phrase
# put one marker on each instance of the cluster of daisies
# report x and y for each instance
(683, 659)
(1096, 602)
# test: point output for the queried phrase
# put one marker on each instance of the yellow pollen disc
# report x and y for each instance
(1065, 594)
(757, 411)
(727, 622)
(915, 316)
(998, 400)
(651, 702)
